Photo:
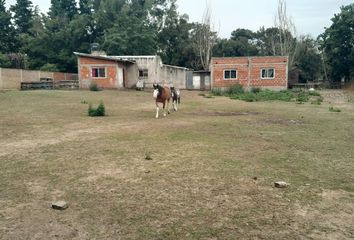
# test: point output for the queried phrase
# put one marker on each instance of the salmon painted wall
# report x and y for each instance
(110, 81)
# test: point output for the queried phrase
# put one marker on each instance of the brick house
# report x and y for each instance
(118, 72)
(269, 72)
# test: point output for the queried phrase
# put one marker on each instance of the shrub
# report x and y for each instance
(217, 92)
(302, 97)
(49, 67)
(97, 112)
(235, 89)
(255, 90)
(333, 109)
(314, 93)
(94, 87)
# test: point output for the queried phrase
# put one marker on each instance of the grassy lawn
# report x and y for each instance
(211, 176)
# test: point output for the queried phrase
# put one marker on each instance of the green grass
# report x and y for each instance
(199, 183)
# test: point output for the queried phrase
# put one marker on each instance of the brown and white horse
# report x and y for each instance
(162, 95)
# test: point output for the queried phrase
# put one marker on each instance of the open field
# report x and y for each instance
(211, 175)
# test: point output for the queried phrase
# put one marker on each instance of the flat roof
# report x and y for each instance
(103, 57)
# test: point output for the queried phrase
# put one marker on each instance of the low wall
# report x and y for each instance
(12, 78)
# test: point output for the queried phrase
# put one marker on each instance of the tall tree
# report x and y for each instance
(63, 9)
(7, 34)
(337, 42)
(205, 38)
(308, 59)
(23, 14)
(287, 33)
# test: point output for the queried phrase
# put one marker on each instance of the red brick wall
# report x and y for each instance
(249, 71)
(85, 75)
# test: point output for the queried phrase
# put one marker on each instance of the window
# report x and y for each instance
(267, 73)
(98, 72)
(143, 73)
(230, 74)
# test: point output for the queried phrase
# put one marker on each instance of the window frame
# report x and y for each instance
(144, 73)
(267, 73)
(230, 70)
(99, 72)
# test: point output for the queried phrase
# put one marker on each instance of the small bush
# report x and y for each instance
(333, 109)
(255, 90)
(314, 93)
(235, 89)
(317, 101)
(94, 87)
(217, 92)
(302, 97)
(100, 111)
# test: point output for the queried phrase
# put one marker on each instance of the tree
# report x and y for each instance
(63, 9)
(337, 42)
(23, 14)
(7, 33)
(308, 59)
(287, 33)
(205, 38)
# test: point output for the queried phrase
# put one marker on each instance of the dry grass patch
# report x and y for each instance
(210, 176)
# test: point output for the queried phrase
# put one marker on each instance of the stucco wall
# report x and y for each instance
(173, 76)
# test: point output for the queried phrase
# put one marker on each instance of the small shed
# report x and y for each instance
(269, 72)
(118, 72)
(106, 71)
(199, 80)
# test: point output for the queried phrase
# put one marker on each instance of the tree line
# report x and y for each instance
(32, 40)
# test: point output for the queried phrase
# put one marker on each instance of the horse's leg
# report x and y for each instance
(157, 110)
(176, 105)
(164, 108)
(168, 106)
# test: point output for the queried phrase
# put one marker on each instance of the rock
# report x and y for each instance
(60, 205)
(280, 184)
(148, 157)
(147, 171)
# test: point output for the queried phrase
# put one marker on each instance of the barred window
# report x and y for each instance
(98, 72)
(230, 74)
(267, 73)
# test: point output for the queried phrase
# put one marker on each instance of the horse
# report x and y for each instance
(162, 95)
(176, 98)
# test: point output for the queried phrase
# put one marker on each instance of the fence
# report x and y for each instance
(12, 78)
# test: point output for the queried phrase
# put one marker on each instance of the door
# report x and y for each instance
(120, 78)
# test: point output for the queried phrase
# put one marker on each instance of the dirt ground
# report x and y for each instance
(204, 172)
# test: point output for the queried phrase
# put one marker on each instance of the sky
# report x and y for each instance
(310, 16)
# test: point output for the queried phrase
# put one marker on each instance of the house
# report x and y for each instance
(269, 72)
(119, 72)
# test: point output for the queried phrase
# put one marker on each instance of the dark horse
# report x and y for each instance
(162, 95)
(176, 98)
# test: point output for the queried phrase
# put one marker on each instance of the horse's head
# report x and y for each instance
(156, 92)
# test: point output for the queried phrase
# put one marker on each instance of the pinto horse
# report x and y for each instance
(176, 98)
(162, 95)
